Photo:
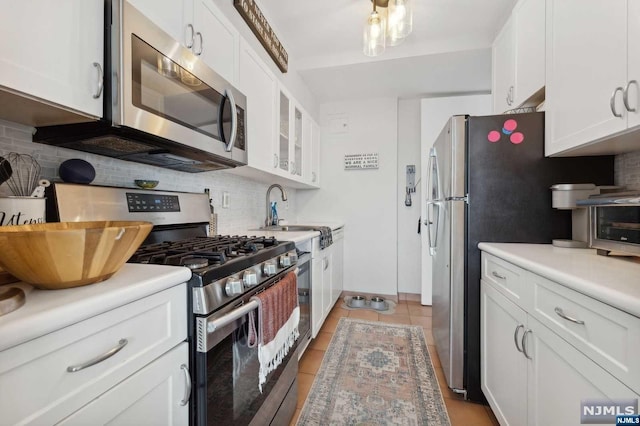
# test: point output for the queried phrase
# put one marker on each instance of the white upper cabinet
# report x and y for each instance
(216, 40)
(260, 86)
(503, 70)
(592, 60)
(168, 15)
(518, 57)
(200, 26)
(633, 71)
(529, 30)
(54, 51)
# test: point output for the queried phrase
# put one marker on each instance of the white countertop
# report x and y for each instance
(46, 311)
(295, 236)
(612, 280)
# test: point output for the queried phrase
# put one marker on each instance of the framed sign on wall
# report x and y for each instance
(256, 21)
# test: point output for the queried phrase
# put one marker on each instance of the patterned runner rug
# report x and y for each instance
(375, 374)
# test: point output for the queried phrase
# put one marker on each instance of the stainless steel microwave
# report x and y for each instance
(162, 104)
(615, 222)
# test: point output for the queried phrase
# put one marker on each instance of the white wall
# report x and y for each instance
(434, 113)
(246, 197)
(409, 255)
(365, 200)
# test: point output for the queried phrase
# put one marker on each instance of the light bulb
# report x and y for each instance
(400, 21)
(374, 35)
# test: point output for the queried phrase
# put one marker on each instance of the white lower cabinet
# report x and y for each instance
(156, 395)
(321, 293)
(326, 279)
(504, 368)
(530, 374)
(560, 376)
(55, 375)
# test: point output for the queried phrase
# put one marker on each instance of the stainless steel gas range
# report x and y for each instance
(226, 272)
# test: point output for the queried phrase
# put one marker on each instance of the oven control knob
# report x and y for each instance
(250, 278)
(293, 257)
(233, 287)
(285, 261)
(269, 268)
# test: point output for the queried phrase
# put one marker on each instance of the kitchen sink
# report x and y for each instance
(290, 228)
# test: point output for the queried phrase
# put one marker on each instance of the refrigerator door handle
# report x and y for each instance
(433, 236)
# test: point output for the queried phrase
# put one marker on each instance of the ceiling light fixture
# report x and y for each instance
(389, 26)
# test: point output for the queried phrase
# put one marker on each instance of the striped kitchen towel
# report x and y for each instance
(278, 317)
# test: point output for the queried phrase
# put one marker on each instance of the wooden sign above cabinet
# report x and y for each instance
(252, 15)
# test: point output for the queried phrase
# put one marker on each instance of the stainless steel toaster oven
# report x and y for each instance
(615, 222)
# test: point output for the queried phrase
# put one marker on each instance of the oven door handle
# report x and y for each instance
(215, 324)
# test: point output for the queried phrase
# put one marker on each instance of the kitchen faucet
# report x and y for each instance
(269, 218)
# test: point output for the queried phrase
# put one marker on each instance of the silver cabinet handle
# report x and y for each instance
(561, 314)
(313, 176)
(275, 161)
(625, 96)
(234, 117)
(111, 352)
(187, 385)
(188, 41)
(100, 80)
(515, 336)
(497, 275)
(612, 102)
(524, 346)
(199, 52)
(326, 265)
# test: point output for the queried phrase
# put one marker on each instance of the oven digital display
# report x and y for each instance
(152, 203)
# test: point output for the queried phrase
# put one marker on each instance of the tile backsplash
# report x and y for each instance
(627, 168)
(246, 196)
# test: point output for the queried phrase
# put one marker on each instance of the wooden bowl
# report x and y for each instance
(69, 254)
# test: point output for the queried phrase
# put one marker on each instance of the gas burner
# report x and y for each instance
(195, 262)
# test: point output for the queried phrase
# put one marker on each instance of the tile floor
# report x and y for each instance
(461, 413)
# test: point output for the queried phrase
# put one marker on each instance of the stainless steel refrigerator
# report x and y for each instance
(488, 181)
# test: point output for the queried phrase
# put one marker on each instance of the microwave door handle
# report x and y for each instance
(234, 120)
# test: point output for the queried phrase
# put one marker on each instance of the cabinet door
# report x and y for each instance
(156, 395)
(284, 110)
(529, 31)
(260, 86)
(503, 365)
(298, 142)
(317, 311)
(49, 50)
(327, 300)
(586, 60)
(170, 16)
(560, 377)
(503, 57)
(337, 268)
(216, 40)
(634, 62)
(315, 153)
